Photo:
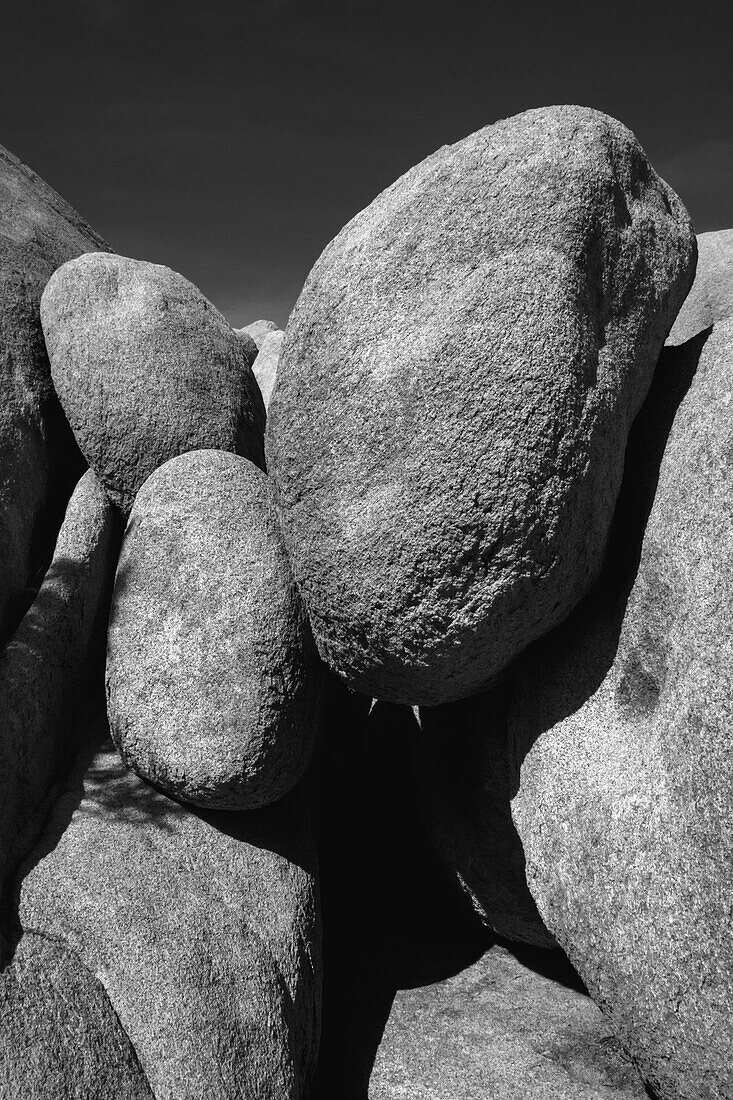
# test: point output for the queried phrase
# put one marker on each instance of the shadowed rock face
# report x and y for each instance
(43, 668)
(59, 1035)
(454, 394)
(39, 461)
(146, 369)
(201, 928)
(213, 681)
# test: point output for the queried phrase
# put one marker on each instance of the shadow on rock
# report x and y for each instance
(392, 916)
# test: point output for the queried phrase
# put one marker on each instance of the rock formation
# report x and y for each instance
(265, 365)
(197, 932)
(213, 682)
(454, 394)
(39, 461)
(45, 666)
(475, 505)
(146, 369)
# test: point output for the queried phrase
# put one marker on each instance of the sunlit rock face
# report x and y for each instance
(454, 394)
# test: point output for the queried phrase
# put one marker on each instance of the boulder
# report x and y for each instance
(265, 365)
(259, 331)
(146, 369)
(201, 929)
(39, 460)
(213, 681)
(454, 394)
(44, 667)
(609, 745)
(711, 297)
(250, 347)
(623, 726)
(59, 1035)
(500, 1029)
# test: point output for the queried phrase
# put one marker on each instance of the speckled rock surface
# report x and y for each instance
(59, 1035)
(265, 365)
(202, 929)
(44, 666)
(622, 723)
(146, 369)
(39, 461)
(501, 1031)
(454, 394)
(213, 681)
(711, 297)
(259, 331)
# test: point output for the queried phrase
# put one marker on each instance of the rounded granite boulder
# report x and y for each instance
(213, 681)
(454, 395)
(146, 368)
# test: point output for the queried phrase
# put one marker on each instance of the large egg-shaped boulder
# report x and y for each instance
(213, 681)
(454, 395)
(146, 368)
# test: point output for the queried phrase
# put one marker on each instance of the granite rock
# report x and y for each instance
(44, 667)
(502, 1030)
(213, 681)
(202, 929)
(265, 365)
(39, 460)
(59, 1035)
(711, 297)
(146, 369)
(622, 724)
(454, 394)
(259, 331)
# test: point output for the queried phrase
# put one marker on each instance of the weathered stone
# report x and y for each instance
(146, 369)
(59, 1035)
(259, 331)
(455, 390)
(39, 461)
(44, 666)
(213, 681)
(265, 365)
(609, 745)
(202, 929)
(711, 297)
(500, 1030)
(623, 722)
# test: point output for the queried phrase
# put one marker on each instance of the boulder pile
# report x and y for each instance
(467, 514)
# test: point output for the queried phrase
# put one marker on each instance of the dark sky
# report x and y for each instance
(232, 141)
